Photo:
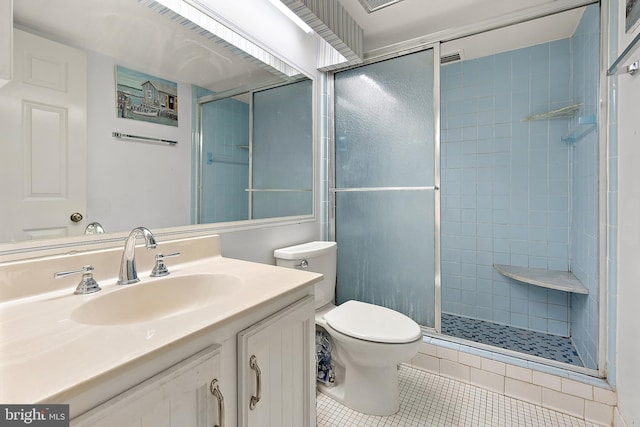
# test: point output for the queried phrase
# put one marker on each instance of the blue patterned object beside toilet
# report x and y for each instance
(326, 374)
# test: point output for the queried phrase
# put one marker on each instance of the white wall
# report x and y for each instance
(628, 334)
(162, 173)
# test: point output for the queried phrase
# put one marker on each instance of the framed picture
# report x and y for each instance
(632, 16)
(147, 98)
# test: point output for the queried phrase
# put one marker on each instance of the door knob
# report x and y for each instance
(76, 217)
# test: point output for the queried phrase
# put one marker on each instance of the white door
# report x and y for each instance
(276, 364)
(43, 141)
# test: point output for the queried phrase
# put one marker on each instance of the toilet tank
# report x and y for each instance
(321, 257)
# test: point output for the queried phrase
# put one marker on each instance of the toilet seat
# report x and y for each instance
(373, 323)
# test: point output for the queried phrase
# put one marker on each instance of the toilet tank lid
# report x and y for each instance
(305, 250)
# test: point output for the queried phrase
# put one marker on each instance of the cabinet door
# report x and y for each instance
(275, 367)
(178, 397)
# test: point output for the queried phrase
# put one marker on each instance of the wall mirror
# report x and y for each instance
(62, 160)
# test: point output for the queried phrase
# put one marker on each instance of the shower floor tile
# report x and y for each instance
(539, 344)
(427, 399)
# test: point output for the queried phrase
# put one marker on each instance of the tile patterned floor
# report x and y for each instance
(551, 347)
(431, 400)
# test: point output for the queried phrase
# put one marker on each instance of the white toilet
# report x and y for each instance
(369, 341)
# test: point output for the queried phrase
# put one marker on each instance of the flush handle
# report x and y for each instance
(253, 364)
(214, 387)
(303, 264)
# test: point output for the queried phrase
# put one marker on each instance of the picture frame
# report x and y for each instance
(143, 97)
(632, 15)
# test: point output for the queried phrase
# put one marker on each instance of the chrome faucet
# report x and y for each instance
(128, 273)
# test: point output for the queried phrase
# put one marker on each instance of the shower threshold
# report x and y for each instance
(547, 346)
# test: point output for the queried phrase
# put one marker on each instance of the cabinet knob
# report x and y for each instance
(214, 387)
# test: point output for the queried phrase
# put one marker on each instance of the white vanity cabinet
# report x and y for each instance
(215, 387)
(276, 361)
(187, 394)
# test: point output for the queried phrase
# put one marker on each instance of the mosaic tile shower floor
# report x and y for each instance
(551, 347)
(428, 400)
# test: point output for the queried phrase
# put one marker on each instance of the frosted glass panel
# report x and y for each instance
(384, 120)
(288, 203)
(283, 137)
(386, 250)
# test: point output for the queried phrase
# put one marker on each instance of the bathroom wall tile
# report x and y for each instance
(608, 397)
(576, 388)
(519, 320)
(558, 312)
(523, 390)
(519, 306)
(452, 369)
(487, 380)
(547, 380)
(572, 405)
(558, 328)
(538, 324)
(519, 373)
(428, 349)
(598, 412)
(469, 359)
(426, 362)
(501, 316)
(494, 366)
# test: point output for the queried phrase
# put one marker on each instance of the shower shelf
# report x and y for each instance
(586, 124)
(552, 279)
(560, 113)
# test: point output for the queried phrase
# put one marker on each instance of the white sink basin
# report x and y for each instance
(158, 299)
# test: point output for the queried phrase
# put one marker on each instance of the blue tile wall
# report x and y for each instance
(505, 185)
(225, 170)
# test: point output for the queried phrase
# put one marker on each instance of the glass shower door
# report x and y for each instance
(385, 180)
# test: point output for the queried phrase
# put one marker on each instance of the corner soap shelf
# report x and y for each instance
(586, 124)
(552, 279)
(561, 113)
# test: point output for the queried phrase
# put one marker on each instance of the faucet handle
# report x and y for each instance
(87, 284)
(160, 269)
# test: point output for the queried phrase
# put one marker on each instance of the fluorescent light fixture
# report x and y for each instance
(197, 13)
(295, 18)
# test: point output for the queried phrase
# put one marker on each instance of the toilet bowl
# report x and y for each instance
(369, 341)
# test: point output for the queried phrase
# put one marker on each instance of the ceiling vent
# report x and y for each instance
(373, 5)
(449, 57)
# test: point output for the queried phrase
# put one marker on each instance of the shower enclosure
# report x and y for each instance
(487, 230)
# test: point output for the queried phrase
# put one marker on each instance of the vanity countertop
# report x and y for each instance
(44, 352)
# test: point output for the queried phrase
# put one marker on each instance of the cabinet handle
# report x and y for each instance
(253, 364)
(215, 390)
